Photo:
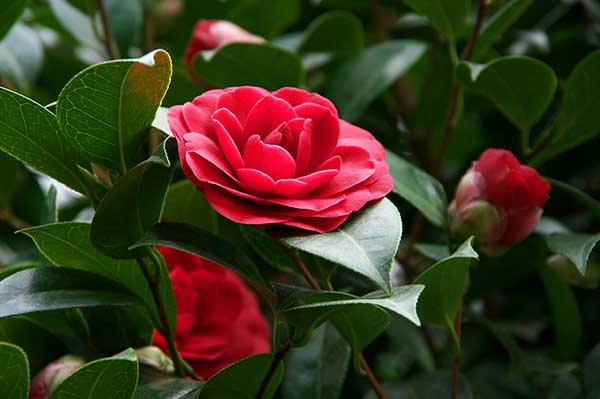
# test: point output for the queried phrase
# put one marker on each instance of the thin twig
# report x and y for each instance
(363, 362)
(107, 39)
(162, 312)
(271, 372)
(456, 363)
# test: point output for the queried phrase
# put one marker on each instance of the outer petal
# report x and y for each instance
(295, 97)
(325, 132)
(240, 100)
(268, 113)
(519, 224)
(351, 135)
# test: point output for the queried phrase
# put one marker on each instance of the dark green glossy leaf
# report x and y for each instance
(9, 168)
(448, 16)
(420, 189)
(186, 204)
(590, 203)
(435, 385)
(77, 23)
(30, 133)
(194, 240)
(125, 20)
(444, 285)
(521, 87)
(240, 64)
(579, 119)
(371, 72)
(268, 248)
(68, 325)
(68, 245)
(14, 372)
(576, 247)
(112, 377)
(433, 251)
(565, 313)
(132, 206)
(242, 380)
(494, 27)
(365, 244)
(337, 32)
(107, 109)
(50, 288)
(50, 211)
(11, 11)
(591, 365)
(318, 369)
(154, 384)
(21, 56)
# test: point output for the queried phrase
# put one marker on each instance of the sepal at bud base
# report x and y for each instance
(154, 357)
(52, 375)
(480, 219)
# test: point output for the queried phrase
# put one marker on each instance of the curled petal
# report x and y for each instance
(240, 101)
(271, 159)
(295, 97)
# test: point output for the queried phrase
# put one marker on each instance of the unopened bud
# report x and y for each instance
(154, 357)
(52, 375)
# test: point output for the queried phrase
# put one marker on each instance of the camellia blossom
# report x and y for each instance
(278, 158)
(498, 200)
(218, 318)
(212, 34)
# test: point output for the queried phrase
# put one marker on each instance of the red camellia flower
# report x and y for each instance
(52, 375)
(218, 318)
(278, 158)
(498, 200)
(212, 34)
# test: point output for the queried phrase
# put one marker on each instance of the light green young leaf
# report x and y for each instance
(576, 247)
(111, 377)
(107, 109)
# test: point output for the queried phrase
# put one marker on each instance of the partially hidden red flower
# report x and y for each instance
(52, 375)
(278, 158)
(498, 200)
(212, 34)
(218, 318)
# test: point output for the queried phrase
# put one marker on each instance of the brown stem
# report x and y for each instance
(105, 29)
(456, 363)
(363, 362)
(162, 312)
(274, 364)
(456, 91)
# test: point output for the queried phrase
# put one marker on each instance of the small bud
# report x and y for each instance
(52, 375)
(154, 357)
(477, 218)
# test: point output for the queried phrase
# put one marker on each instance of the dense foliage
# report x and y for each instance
(299, 199)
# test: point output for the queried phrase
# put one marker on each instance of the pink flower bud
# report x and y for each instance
(212, 34)
(156, 358)
(52, 375)
(498, 200)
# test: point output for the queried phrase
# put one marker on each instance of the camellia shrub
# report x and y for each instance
(299, 199)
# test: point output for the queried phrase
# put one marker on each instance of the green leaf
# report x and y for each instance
(194, 240)
(579, 120)
(444, 285)
(420, 189)
(11, 12)
(132, 206)
(30, 133)
(239, 64)
(591, 365)
(68, 245)
(9, 169)
(264, 17)
(125, 22)
(433, 251)
(366, 243)
(521, 87)
(186, 204)
(50, 288)
(14, 372)
(435, 385)
(576, 247)
(268, 248)
(498, 24)
(242, 380)
(565, 313)
(21, 56)
(359, 319)
(68, 325)
(318, 369)
(371, 72)
(50, 211)
(112, 377)
(154, 384)
(448, 16)
(107, 109)
(590, 203)
(337, 32)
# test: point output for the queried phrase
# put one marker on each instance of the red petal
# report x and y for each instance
(241, 100)
(519, 224)
(295, 97)
(255, 181)
(356, 168)
(231, 125)
(268, 113)
(538, 187)
(325, 132)
(291, 188)
(271, 159)
(351, 135)
(228, 147)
